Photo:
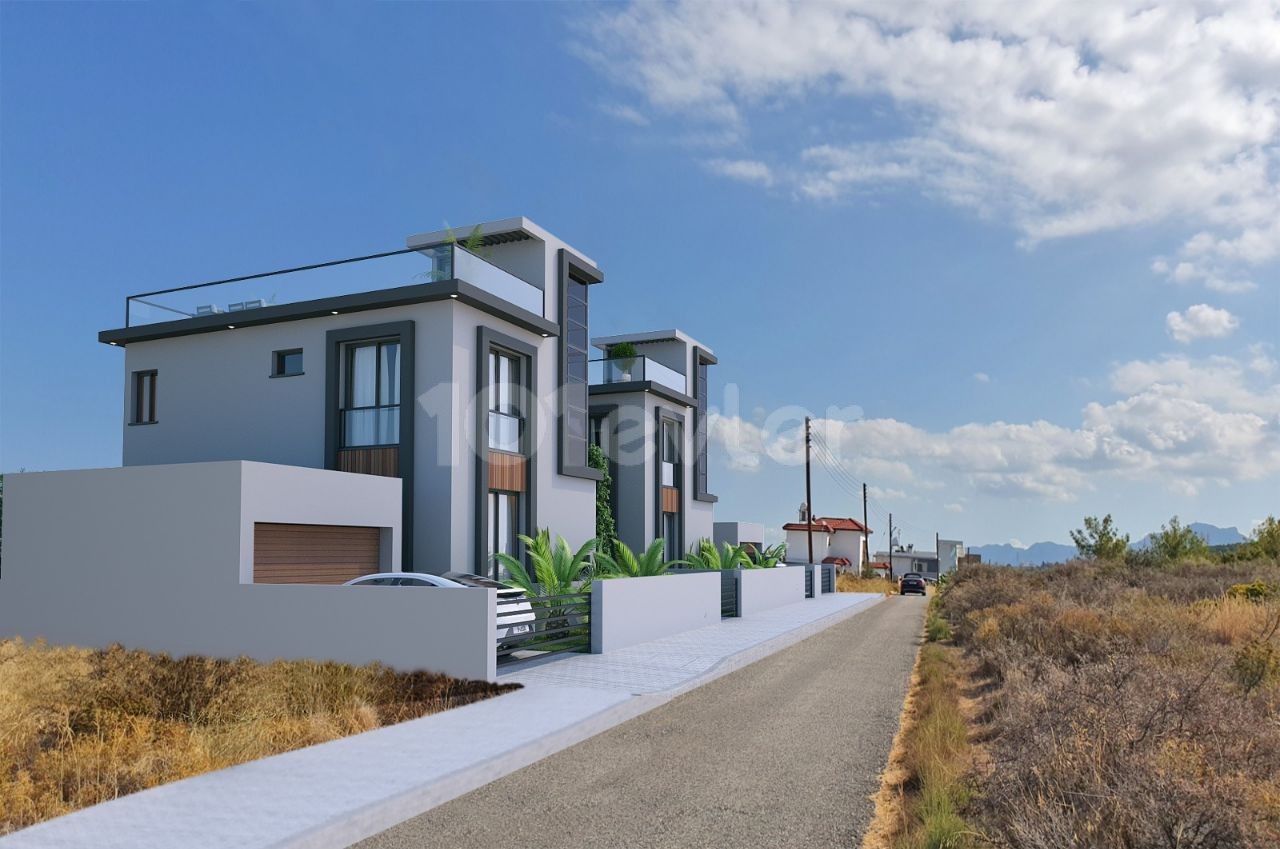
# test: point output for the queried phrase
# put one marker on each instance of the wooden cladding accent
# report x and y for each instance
(383, 460)
(507, 472)
(312, 554)
(670, 499)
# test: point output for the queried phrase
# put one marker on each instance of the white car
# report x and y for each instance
(514, 610)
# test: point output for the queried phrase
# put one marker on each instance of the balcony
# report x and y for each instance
(636, 369)
(239, 298)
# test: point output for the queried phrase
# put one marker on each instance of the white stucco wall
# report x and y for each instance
(764, 589)
(628, 611)
(153, 557)
(798, 546)
(847, 544)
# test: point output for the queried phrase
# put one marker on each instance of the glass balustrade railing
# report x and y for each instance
(636, 369)
(238, 298)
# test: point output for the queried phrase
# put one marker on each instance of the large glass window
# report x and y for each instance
(503, 524)
(505, 420)
(371, 409)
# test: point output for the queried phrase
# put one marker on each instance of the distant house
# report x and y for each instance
(835, 540)
(931, 564)
(741, 534)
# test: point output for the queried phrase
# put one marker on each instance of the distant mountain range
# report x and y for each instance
(1040, 553)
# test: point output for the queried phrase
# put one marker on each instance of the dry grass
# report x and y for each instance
(82, 726)
(924, 790)
(847, 582)
(1131, 706)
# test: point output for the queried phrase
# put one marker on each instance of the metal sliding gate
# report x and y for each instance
(828, 578)
(808, 582)
(728, 593)
(543, 625)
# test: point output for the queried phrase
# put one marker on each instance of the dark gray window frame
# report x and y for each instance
(277, 361)
(577, 467)
(135, 416)
(334, 341)
(488, 339)
(702, 360)
(661, 415)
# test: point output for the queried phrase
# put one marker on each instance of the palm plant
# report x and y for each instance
(705, 555)
(557, 570)
(768, 558)
(559, 586)
(624, 563)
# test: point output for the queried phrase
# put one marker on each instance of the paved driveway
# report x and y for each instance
(782, 753)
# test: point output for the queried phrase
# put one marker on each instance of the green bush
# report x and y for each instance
(1255, 591)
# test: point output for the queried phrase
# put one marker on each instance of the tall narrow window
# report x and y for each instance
(575, 372)
(504, 517)
(371, 409)
(670, 453)
(700, 488)
(671, 536)
(575, 280)
(505, 421)
(144, 397)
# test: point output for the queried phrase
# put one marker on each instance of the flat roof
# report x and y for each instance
(497, 232)
(603, 342)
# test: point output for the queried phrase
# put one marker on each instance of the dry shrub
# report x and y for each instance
(846, 582)
(1232, 620)
(81, 726)
(1135, 708)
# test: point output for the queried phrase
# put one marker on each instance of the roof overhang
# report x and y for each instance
(652, 336)
(500, 232)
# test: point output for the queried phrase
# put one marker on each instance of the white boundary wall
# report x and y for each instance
(627, 611)
(763, 589)
(155, 557)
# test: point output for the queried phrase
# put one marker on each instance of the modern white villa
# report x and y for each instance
(461, 372)
(649, 415)
(414, 410)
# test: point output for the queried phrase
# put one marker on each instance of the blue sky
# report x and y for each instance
(822, 195)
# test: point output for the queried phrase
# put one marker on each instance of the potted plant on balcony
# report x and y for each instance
(625, 353)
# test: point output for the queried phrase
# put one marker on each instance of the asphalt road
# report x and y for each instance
(782, 753)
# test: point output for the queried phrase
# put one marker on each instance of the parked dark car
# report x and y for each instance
(912, 582)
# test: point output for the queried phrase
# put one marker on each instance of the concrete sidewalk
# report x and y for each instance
(334, 794)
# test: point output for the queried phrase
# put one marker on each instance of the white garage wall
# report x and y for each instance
(153, 557)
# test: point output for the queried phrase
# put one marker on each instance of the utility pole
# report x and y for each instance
(866, 543)
(890, 545)
(808, 488)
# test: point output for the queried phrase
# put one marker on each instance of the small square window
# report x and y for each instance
(286, 363)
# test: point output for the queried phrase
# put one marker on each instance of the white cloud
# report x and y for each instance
(744, 170)
(982, 377)
(1199, 322)
(1176, 422)
(954, 507)
(626, 114)
(1064, 117)
(882, 494)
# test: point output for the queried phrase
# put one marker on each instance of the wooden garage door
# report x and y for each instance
(312, 554)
